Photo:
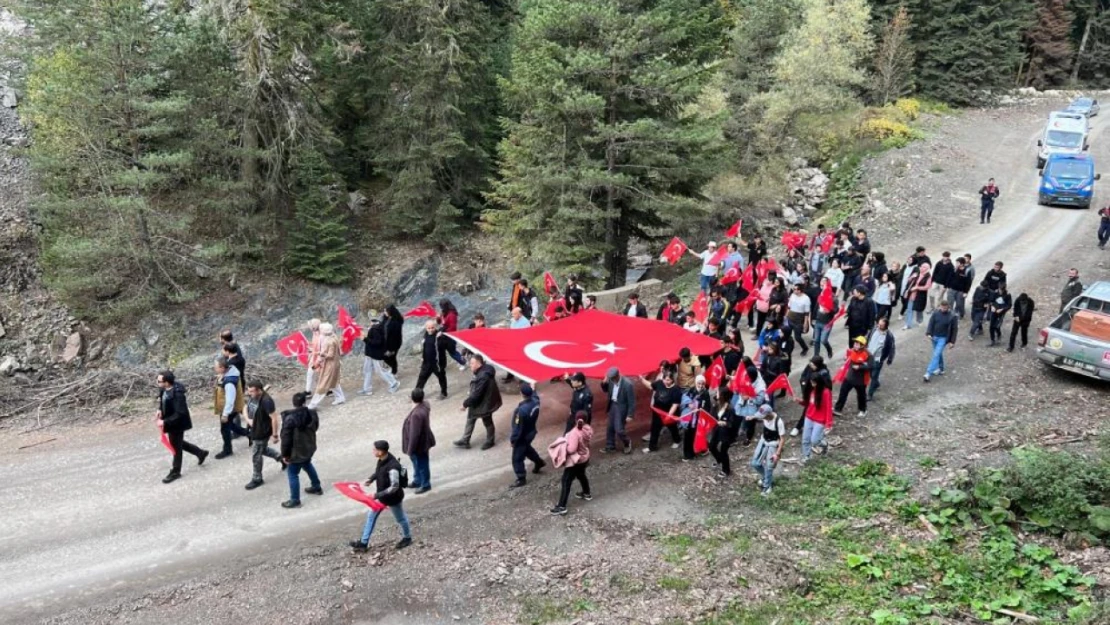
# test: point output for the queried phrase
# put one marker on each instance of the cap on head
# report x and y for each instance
(766, 411)
(860, 340)
(381, 445)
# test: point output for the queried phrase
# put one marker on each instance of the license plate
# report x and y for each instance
(1080, 365)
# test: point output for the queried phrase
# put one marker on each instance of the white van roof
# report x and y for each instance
(1067, 125)
(1065, 115)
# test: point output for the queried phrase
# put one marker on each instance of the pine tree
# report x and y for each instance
(894, 59)
(968, 50)
(318, 246)
(1050, 46)
(601, 146)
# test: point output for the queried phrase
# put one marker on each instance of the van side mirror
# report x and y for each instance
(1039, 143)
(1086, 146)
(1040, 172)
(1098, 176)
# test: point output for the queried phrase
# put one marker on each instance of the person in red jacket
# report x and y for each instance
(449, 322)
(819, 413)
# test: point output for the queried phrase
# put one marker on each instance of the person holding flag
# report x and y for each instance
(174, 420)
(449, 322)
(709, 263)
(394, 336)
(726, 433)
(314, 344)
(572, 295)
(389, 491)
(856, 375)
(693, 401)
(666, 400)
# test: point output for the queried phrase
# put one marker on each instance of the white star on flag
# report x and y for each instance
(610, 348)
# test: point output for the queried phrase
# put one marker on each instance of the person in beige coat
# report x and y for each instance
(314, 343)
(327, 368)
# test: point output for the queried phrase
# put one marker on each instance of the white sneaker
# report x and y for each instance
(337, 402)
(462, 367)
(862, 414)
(766, 492)
(393, 387)
(646, 437)
(646, 450)
(365, 393)
(794, 431)
(674, 445)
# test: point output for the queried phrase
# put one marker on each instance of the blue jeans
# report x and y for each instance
(1103, 233)
(937, 363)
(293, 471)
(821, 334)
(813, 435)
(706, 283)
(874, 386)
(762, 462)
(372, 519)
(421, 471)
(912, 316)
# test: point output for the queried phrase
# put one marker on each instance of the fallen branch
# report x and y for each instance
(929, 526)
(49, 440)
(1065, 441)
(1021, 616)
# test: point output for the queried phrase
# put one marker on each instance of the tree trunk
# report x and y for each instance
(248, 167)
(1083, 44)
(616, 237)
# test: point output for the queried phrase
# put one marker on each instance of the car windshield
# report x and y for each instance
(1082, 103)
(1069, 169)
(1062, 139)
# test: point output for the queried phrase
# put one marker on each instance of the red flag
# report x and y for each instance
(766, 266)
(719, 256)
(550, 286)
(732, 275)
(701, 308)
(749, 278)
(741, 383)
(825, 299)
(668, 418)
(715, 373)
(551, 313)
(793, 240)
(838, 315)
(425, 309)
(842, 373)
(351, 330)
(674, 251)
(166, 440)
(591, 342)
(781, 383)
(746, 304)
(353, 490)
(294, 345)
(827, 244)
(705, 425)
(734, 230)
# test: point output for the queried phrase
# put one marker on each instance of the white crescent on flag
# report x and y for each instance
(534, 351)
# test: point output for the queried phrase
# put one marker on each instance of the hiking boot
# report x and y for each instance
(291, 504)
(253, 484)
(404, 542)
(202, 457)
(584, 496)
(559, 511)
(171, 476)
(314, 490)
(358, 546)
(461, 443)
(223, 454)
(518, 483)
(486, 445)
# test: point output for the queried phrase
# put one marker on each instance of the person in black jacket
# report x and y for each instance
(234, 355)
(581, 399)
(999, 306)
(942, 279)
(980, 300)
(635, 308)
(861, 313)
(988, 193)
(572, 295)
(431, 360)
(394, 322)
(173, 418)
(389, 491)
(373, 362)
(483, 400)
(298, 445)
(959, 286)
(726, 433)
(1023, 316)
(525, 417)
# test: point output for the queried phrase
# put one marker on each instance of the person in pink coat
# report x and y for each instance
(574, 468)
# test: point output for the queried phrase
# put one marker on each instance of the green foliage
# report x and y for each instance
(602, 146)
(844, 194)
(893, 64)
(318, 247)
(832, 490)
(1051, 50)
(669, 582)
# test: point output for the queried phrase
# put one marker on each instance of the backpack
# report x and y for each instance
(403, 475)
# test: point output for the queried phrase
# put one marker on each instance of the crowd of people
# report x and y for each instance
(768, 314)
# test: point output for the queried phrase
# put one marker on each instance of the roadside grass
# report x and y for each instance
(541, 611)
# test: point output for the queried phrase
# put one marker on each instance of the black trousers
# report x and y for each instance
(427, 370)
(657, 428)
(722, 439)
(985, 211)
(391, 362)
(524, 451)
(996, 327)
(577, 472)
(861, 396)
(1019, 327)
(231, 427)
(177, 439)
(688, 443)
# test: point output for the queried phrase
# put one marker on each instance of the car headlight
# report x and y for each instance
(1047, 186)
(1088, 188)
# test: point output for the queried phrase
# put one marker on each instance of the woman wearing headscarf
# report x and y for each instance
(917, 294)
(327, 368)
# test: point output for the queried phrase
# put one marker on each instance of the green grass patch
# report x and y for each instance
(832, 490)
(670, 582)
(540, 611)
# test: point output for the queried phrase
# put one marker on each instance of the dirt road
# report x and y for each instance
(91, 535)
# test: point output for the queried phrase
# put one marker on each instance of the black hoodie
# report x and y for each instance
(175, 409)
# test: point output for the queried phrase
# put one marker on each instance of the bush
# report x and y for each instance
(910, 107)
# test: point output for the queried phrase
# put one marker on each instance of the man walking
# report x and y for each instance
(373, 361)
(417, 441)
(980, 300)
(1103, 227)
(389, 492)
(1072, 289)
(1000, 305)
(1023, 316)
(228, 404)
(621, 408)
(173, 417)
(635, 308)
(860, 316)
(298, 445)
(523, 433)
(987, 195)
(483, 400)
(881, 345)
(264, 424)
(857, 377)
(430, 361)
(942, 330)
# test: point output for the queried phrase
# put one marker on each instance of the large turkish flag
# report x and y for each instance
(590, 342)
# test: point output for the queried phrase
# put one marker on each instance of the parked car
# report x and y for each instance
(1068, 179)
(1078, 339)
(1086, 106)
